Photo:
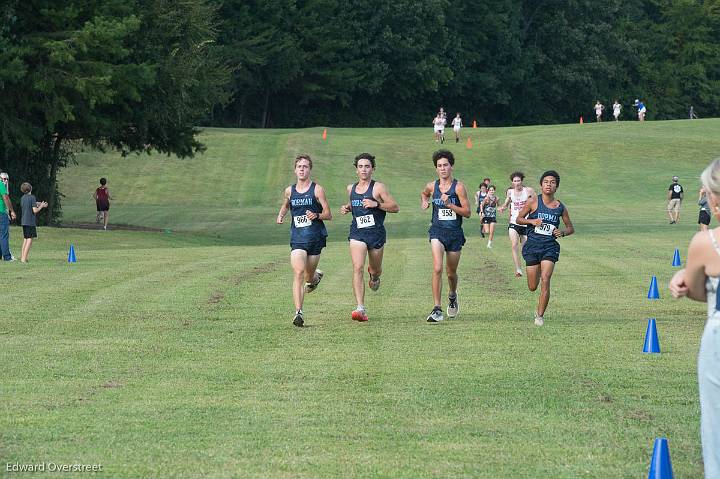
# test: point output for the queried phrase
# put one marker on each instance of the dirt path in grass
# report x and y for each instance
(112, 226)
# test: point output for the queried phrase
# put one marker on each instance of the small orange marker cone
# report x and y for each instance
(324, 134)
(581, 120)
(474, 124)
(469, 143)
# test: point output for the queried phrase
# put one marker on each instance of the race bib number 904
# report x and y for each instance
(366, 221)
(545, 229)
(446, 214)
(301, 221)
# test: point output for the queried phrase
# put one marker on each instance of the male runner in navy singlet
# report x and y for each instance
(450, 204)
(369, 201)
(308, 207)
(542, 250)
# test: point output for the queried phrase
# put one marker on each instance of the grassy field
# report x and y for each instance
(171, 353)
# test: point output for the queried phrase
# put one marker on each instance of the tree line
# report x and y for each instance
(500, 62)
(142, 75)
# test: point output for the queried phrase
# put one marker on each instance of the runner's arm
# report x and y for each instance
(463, 209)
(569, 228)
(325, 214)
(425, 196)
(384, 199)
(347, 207)
(529, 207)
(506, 202)
(284, 207)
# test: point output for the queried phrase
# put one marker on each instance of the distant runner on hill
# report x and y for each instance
(102, 202)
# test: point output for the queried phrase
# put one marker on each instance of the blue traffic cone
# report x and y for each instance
(676, 258)
(660, 465)
(653, 291)
(652, 342)
(71, 255)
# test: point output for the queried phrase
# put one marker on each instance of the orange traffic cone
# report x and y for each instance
(581, 120)
(324, 134)
(474, 124)
(469, 143)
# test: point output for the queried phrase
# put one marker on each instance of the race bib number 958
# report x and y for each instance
(301, 221)
(446, 214)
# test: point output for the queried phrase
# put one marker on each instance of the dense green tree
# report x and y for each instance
(502, 61)
(136, 76)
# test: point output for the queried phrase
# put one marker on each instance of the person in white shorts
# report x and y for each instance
(641, 110)
(457, 124)
(517, 196)
(616, 110)
(599, 107)
(439, 128)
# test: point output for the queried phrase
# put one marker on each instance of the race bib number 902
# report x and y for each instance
(301, 221)
(545, 229)
(446, 214)
(366, 221)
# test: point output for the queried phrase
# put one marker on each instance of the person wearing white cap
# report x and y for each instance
(6, 214)
(675, 197)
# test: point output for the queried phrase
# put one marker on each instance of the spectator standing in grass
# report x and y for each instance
(675, 197)
(699, 280)
(29, 208)
(6, 215)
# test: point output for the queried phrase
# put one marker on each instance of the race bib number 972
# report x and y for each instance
(301, 221)
(545, 229)
(366, 221)
(446, 214)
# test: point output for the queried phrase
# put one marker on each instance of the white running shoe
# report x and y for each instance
(489, 245)
(539, 321)
(310, 287)
(436, 315)
(453, 308)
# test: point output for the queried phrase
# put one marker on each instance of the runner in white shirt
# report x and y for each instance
(599, 107)
(517, 196)
(439, 127)
(616, 110)
(457, 124)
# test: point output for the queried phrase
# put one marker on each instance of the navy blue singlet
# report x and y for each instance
(365, 219)
(442, 216)
(550, 221)
(302, 230)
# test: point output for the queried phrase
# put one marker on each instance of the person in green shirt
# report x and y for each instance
(6, 214)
